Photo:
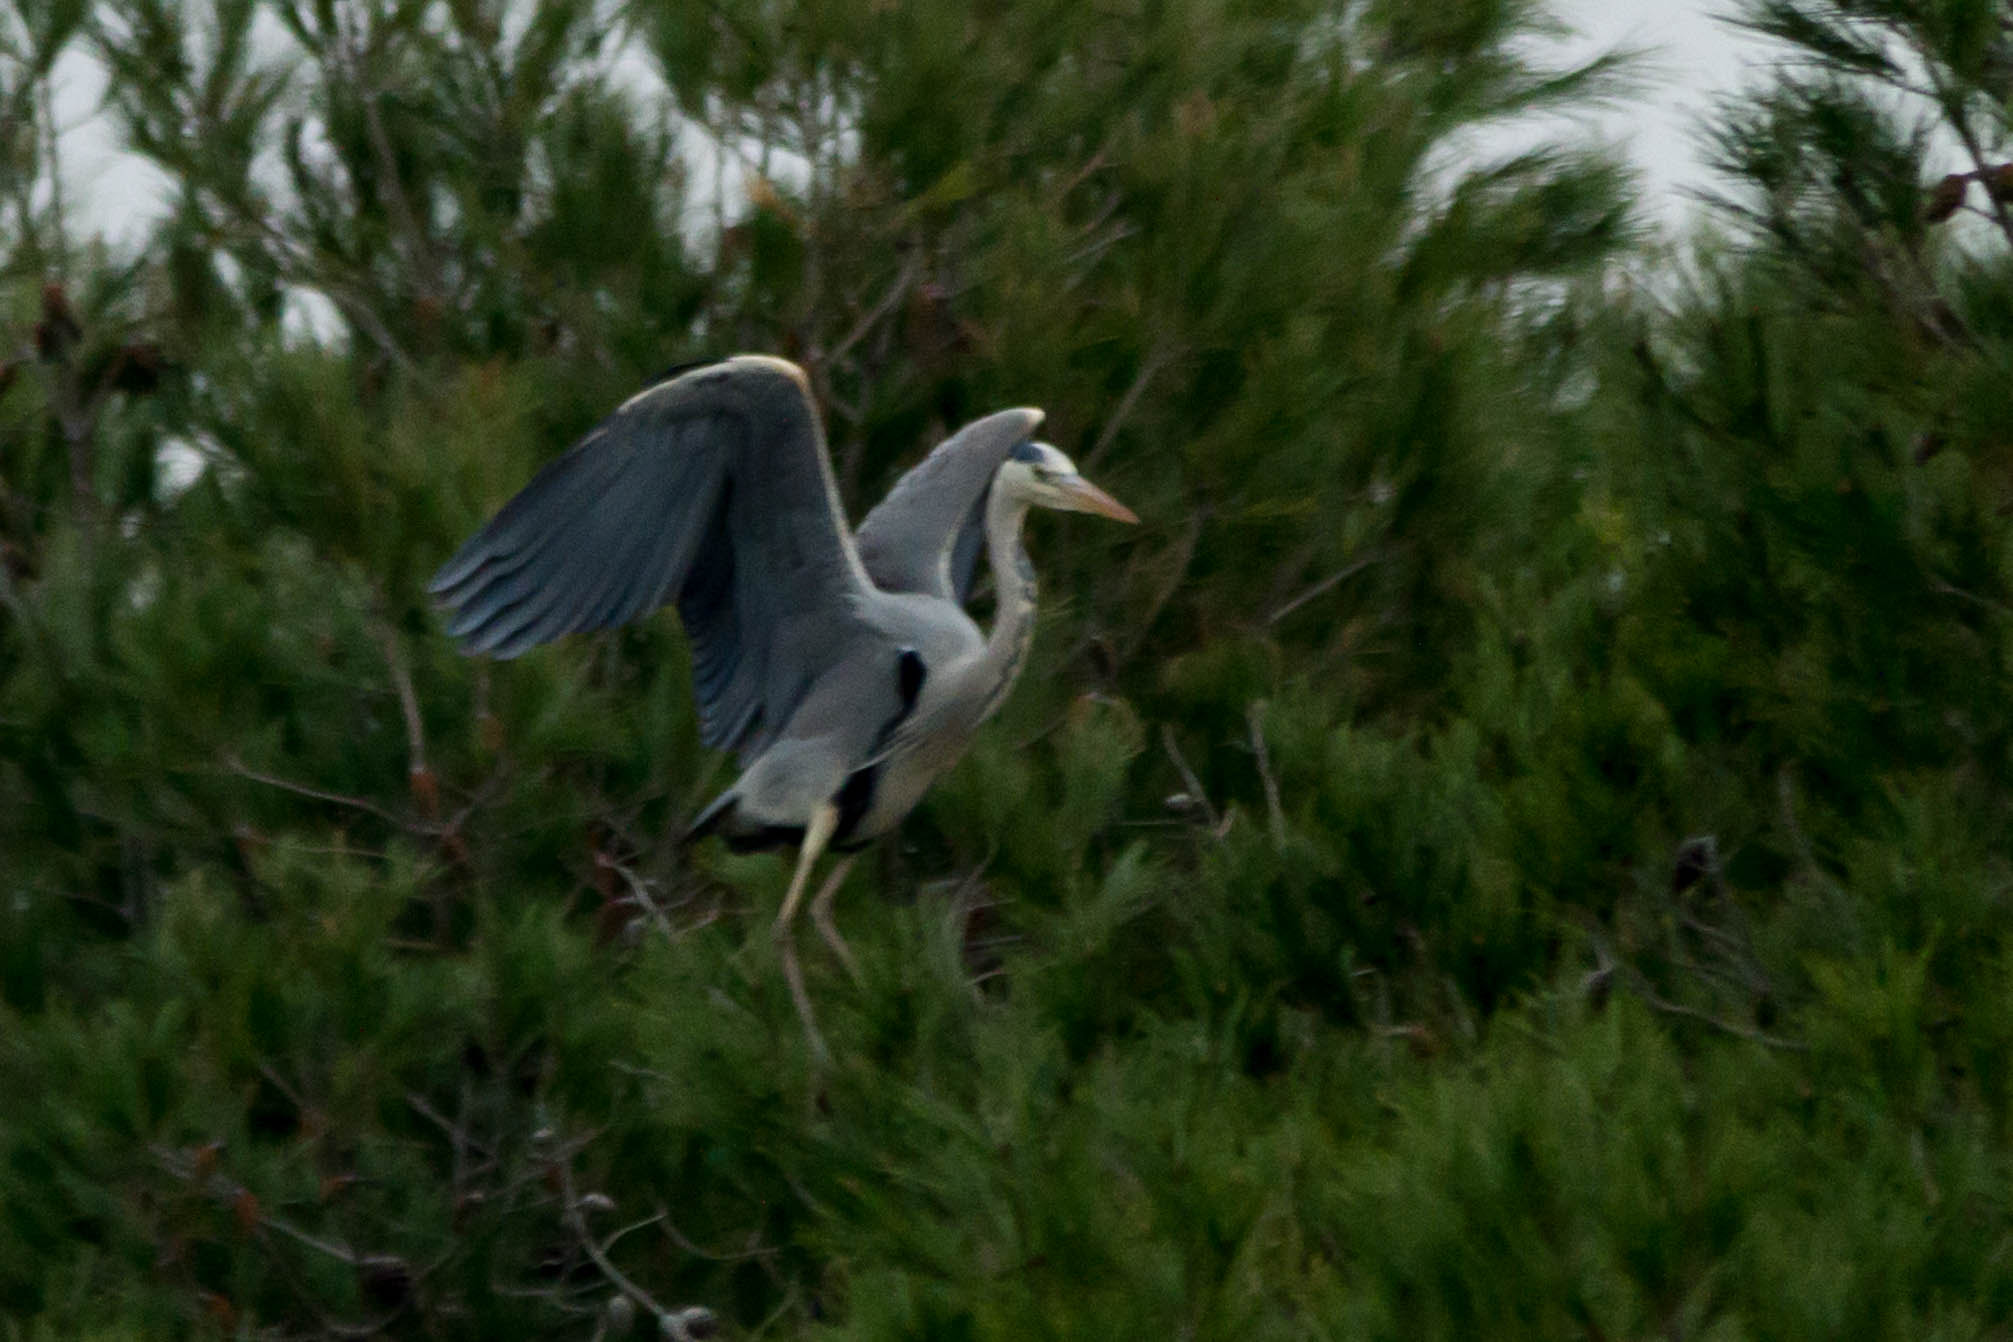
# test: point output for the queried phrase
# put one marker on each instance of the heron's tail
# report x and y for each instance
(717, 813)
(723, 816)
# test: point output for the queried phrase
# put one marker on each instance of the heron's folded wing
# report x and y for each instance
(711, 490)
(927, 533)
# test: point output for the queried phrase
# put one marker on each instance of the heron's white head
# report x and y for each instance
(1044, 477)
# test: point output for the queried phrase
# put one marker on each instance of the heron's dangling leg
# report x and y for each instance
(817, 833)
(821, 916)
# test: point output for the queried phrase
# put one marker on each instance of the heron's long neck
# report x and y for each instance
(1013, 580)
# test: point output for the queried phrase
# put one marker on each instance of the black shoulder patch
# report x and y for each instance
(910, 673)
(855, 799)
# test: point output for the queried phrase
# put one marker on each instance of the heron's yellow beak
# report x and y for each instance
(1085, 497)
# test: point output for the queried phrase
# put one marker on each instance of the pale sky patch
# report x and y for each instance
(1693, 56)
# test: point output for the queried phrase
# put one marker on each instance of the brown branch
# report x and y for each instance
(1960, 121)
(425, 272)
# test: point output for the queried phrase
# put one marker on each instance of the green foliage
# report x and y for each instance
(1515, 846)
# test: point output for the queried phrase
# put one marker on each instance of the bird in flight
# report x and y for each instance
(841, 666)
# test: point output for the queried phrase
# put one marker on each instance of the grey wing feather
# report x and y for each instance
(926, 535)
(711, 490)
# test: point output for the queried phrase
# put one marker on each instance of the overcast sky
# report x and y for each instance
(1693, 56)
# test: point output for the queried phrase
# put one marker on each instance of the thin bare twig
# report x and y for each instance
(1986, 602)
(408, 703)
(821, 366)
(1184, 556)
(123, 910)
(1607, 964)
(314, 273)
(1730, 975)
(1752, 976)
(677, 1237)
(457, 1136)
(1095, 248)
(281, 1084)
(1326, 585)
(1254, 714)
(342, 1253)
(424, 271)
(910, 272)
(51, 151)
(676, 1324)
(233, 765)
(1189, 780)
(243, 1202)
(1096, 161)
(1650, 999)
(639, 893)
(1162, 355)
(1785, 786)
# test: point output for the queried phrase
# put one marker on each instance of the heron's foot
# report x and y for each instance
(793, 974)
(821, 915)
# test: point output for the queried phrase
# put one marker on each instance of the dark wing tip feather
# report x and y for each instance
(463, 567)
(680, 369)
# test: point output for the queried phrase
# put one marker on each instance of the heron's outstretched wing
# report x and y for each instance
(712, 490)
(927, 533)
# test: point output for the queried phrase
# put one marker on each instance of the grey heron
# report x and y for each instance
(842, 667)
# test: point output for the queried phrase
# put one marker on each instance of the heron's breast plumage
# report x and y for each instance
(929, 741)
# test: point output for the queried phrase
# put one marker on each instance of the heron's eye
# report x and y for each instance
(1045, 474)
